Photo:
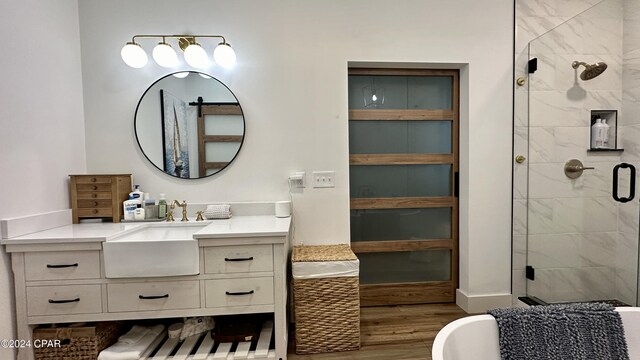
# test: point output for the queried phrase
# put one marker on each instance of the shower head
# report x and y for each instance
(591, 70)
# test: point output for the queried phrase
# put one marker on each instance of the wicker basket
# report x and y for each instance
(327, 310)
(77, 342)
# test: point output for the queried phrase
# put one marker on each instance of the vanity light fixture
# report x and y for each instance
(164, 54)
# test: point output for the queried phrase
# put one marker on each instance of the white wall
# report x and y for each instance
(291, 80)
(41, 119)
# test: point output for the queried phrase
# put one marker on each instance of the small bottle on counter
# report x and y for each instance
(150, 207)
(162, 207)
(139, 213)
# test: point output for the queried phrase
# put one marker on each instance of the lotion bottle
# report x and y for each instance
(130, 207)
(136, 193)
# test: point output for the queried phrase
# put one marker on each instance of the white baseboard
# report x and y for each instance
(477, 304)
(23, 225)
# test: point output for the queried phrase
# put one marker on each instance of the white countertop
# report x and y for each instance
(237, 226)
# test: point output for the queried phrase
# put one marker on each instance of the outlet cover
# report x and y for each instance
(324, 179)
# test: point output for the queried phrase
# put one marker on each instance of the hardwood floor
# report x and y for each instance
(394, 332)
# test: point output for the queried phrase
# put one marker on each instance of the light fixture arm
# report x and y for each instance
(133, 39)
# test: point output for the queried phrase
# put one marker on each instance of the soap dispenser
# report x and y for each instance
(136, 193)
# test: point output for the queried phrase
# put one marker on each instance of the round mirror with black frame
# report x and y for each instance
(189, 125)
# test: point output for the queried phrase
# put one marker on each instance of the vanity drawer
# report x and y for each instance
(93, 179)
(94, 212)
(239, 292)
(95, 203)
(157, 295)
(64, 300)
(62, 265)
(238, 259)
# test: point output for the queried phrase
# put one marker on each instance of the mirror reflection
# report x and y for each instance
(189, 125)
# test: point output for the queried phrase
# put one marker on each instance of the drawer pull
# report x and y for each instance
(61, 266)
(95, 187)
(51, 301)
(142, 297)
(239, 259)
(239, 293)
(94, 196)
(93, 179)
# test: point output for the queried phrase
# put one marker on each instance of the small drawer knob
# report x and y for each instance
(95, 211)
(94, 179)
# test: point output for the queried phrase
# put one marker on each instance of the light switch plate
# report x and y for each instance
(324, 179)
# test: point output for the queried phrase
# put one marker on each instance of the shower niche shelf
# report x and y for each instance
(611, 117)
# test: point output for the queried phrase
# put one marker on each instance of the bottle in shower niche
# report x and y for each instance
(597, 134)
(605, 134)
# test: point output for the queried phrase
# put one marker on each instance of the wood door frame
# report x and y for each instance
(203, 138)
(422, 292)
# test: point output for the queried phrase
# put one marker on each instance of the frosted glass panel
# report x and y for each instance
(402, 92)
(400, 181)
(400, 137)
(221, 151)
(400, 224)
(223, 125)
(402, 267)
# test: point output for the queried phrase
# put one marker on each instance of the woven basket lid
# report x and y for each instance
(306, 253)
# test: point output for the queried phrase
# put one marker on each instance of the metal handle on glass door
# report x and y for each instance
(574, 168)
(632, 182)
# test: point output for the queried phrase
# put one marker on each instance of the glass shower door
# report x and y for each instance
(582, 244)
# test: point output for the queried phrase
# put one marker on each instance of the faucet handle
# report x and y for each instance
(199, 218)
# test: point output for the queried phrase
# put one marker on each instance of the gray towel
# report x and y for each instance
(591, 331)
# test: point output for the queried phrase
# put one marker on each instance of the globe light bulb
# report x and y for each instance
(133, 55)
(195, 56)
(164, 55)
(224, 55)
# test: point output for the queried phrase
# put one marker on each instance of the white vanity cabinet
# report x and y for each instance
(64, 281)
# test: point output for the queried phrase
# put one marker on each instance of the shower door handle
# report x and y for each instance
(632, 182)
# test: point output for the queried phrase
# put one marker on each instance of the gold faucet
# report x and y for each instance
(184, 209)
(170, 213)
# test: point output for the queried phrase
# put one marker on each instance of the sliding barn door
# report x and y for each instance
(403, 145)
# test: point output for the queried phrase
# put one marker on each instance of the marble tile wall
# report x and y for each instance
(569, 228)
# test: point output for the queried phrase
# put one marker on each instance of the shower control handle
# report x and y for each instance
(574, 168)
